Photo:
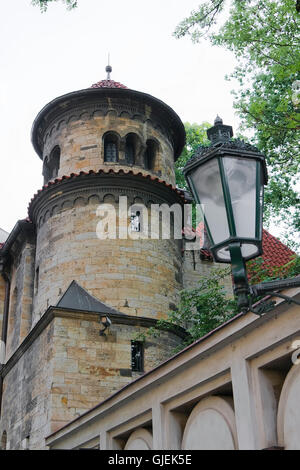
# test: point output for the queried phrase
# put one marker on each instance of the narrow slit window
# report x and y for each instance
(137, 356)
(37, 278)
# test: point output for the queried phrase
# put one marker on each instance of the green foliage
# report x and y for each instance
(195, 136)
(43, 4)
(264, 36)
(202, 309)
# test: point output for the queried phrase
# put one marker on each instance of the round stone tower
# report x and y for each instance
(97, 145)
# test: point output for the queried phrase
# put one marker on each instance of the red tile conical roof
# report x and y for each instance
(108, 84)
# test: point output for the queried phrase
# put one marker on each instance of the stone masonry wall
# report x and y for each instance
(194, 268)
(2, 297)
(26, 403)
(67, 369)
(137, 277)
(82, 149)
(21, 297)
(89, 368)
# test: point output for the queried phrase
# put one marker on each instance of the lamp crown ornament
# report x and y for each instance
(218, 120)
(219, 133)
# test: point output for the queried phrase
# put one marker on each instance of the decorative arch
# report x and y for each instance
(140, 439)
(111, 143)
(46, 170)
(211, 426)
(150, 154)
(288, 416)
(131, 145)
(51, 164)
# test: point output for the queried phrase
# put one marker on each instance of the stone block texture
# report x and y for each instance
(68, 369)
(57, 365)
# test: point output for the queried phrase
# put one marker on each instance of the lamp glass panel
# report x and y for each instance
(224, 254)
(207, 182)
(261, 205)
(241, 178)
(248, 250)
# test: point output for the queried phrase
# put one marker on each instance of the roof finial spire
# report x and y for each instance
(218, 120)
(108, 69)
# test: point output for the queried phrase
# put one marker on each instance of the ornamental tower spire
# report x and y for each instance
(108, 69)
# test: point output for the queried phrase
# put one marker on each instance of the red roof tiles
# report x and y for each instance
(108, 84)
(275, 253)
(180, 192)
(273, 262)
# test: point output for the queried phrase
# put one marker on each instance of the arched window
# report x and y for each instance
(111, 148)
(46, 170)
(150, 154)
(3, 443)
(130, 149)
(51, 164)
(54, 162)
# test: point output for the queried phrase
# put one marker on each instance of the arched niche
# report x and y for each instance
(140, 439)
(51, 164)
(151, 153)
(211, 426)
(288, 416)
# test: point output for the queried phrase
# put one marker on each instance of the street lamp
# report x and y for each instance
(227, 179)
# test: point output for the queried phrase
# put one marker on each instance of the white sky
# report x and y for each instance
(43, 56)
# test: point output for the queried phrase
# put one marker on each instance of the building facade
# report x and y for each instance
(74, 305)
(99, 146)
(237, 388)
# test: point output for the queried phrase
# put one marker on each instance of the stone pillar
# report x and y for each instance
(244, 404)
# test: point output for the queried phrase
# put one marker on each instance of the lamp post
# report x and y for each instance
(227, 179)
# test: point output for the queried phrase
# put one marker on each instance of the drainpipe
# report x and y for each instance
(4, 328)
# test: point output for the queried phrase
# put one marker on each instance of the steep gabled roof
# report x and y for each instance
(275, 253)
(77, 298)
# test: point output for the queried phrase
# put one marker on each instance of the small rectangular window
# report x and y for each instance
(37, 276)
(137, 356)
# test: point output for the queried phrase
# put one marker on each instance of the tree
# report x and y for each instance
(43, 4)
(199, 310)
(195, 136)
(207, 306)
(264, 36)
